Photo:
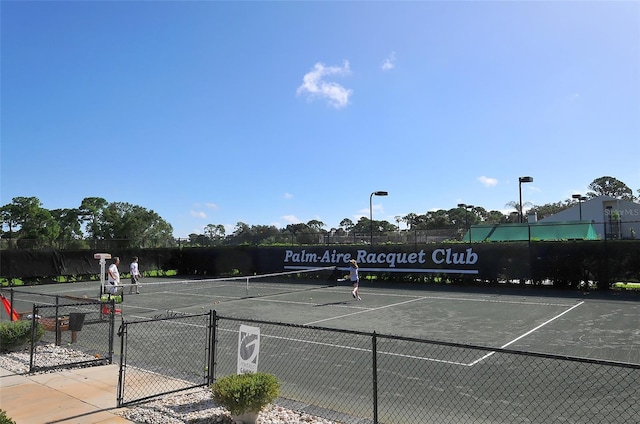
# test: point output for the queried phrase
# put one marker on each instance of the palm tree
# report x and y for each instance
(410, 220)
(516, 206)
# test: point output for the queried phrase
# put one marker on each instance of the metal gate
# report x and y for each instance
(165, 355)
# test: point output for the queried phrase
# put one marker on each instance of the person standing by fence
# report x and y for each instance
(114, 276)
(135, 276)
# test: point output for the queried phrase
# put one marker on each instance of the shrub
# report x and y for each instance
(4, 419)
(249, 392)
(12, 333)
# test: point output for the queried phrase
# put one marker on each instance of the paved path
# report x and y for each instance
(79, 396)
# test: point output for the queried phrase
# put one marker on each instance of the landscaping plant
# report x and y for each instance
(16, 332)
(4, 419)
(241, 393)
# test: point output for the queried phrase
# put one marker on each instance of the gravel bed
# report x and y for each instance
(197, 407)
(47, 355)
(190, 407)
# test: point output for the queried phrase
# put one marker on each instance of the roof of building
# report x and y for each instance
(595, 209)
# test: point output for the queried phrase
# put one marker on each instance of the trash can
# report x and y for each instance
(76, 320)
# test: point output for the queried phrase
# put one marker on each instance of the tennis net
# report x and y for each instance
(244, 286)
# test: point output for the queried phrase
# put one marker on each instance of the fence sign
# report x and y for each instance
(248, 349)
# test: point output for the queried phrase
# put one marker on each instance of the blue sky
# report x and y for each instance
(282, 112)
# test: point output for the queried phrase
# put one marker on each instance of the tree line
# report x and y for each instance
(24, 219)
(28, 224)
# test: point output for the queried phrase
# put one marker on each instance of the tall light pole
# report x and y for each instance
(375, 193)
(520, 181)
(580, 199)
(466, 217)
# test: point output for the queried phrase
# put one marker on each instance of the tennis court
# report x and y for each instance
(446, 383)
(594, 325)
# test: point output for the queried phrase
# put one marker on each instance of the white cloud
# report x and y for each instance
(389, 62)
(288, 196)
(209, 205)
(291, 219)
(487, 181)
(583, 191)
(376, 209)
(315, 86)
(198, 214)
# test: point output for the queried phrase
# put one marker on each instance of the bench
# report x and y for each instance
(73, 323)
(49, 324)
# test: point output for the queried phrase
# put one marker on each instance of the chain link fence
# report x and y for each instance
(164, 355)
(606, 229)
(83, 327)
(22, 301)
(85, 330)
(322, 372)
(356, 377)
(431, 382)
(311, 238)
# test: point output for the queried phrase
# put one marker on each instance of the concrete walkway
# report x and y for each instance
(78, 396)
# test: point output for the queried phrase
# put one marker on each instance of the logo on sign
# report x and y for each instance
(248, 349)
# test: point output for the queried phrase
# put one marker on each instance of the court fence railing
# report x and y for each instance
(606, 229)
(85, 329)
(360, 377)
(72, 335)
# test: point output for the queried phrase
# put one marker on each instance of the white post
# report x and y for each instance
(103, 261)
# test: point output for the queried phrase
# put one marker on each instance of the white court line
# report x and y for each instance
(527, 333)
(366, 310)
(203, 295)
(461, 299)
(344, 304)
(457, 363)
(360, 349)
(426, 298)
(404, 355)
(271, 298)
(469, 299)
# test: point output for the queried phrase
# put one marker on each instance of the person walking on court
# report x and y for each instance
(354, 278)
(135, 276)
(114, 276)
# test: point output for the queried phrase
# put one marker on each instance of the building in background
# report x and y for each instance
(612, 218)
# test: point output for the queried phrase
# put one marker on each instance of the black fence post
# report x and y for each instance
(213, 343)
(34, 329)
(123, 361)
(112, 319)
(374, 353)
(57, 323)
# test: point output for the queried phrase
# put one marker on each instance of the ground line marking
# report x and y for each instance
(527, 333)
(366, 310)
